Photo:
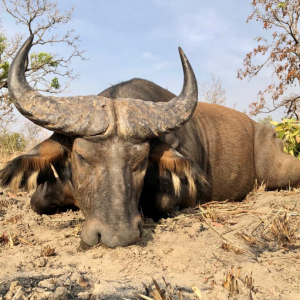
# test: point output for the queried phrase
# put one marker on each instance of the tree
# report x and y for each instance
(33, 134)
(212, 92)
(267, 121)
(280, 50)
(40, 17)
(11, 142)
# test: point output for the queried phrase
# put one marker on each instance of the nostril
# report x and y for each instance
(90, 233)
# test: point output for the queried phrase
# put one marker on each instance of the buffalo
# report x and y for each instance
(136, 147)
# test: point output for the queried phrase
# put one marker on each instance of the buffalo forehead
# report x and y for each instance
(139, 119)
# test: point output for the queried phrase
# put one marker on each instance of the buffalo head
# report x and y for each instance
(109, 141)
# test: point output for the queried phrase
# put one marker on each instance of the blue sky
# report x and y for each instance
(139, 38)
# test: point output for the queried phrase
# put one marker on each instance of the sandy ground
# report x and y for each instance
(246, 250)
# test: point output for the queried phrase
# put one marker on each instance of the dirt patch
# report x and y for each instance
(247, 250)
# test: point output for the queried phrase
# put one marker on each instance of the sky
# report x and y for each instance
(124, 39)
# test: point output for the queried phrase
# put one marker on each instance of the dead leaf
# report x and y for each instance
(11, 195)
(217, 224)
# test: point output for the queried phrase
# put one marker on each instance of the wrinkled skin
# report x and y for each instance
(119, 167)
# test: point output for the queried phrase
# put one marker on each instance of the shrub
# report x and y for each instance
(288, 130)
(11, 142)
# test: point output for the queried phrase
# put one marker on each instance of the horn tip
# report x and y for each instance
(182, 54)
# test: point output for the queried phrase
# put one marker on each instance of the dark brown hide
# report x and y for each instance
(230, 148)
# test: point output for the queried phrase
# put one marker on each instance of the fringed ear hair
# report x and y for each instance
(183, 170)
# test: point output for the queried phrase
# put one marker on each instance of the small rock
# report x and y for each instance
(13, 285)
(46, 284)
(84, 295)
(41, 262)
(136, 252)
(75, 277)
(103, 290)
(61, 293)
(167, 250)
(9, 295)
(15, 292)
(191, 231)
(38, 295)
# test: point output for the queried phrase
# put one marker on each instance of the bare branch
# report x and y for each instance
(283, 53)
(39, 16)
(212, 92)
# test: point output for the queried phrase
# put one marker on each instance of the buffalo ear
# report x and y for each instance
(185, 173)
(25, 170)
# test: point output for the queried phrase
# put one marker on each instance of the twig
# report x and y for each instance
(197, 291)
(276, 215)
(145, 297)
(223, 237)
(17, 293)
(263, 220)
(66, 220)
(24, 241)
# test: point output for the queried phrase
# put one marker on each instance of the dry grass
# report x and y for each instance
(224, 210)
(279, 224)
(283, 231)
(231, 247)
(75, 232)
(250, 240)
(48, 251)
(13, 220)
(5, 157)
(249, 283)
(8, 238)
(155, 292)
(259, 187)
(230, 281)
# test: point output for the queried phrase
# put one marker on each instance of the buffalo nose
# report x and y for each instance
(116, 235)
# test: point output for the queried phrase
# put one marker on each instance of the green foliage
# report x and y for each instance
(282, 4)
(42, 58)
(4, 69)
(289, 130)
(3, 40)
(4, 65)
(11, 142)
(55, 84)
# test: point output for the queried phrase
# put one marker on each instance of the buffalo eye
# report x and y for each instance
(81, 158)
(141, 165)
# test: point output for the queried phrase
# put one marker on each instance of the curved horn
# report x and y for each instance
(87, 115)
(141, 119)
(94, 115)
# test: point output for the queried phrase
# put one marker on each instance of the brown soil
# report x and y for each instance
(40, 256)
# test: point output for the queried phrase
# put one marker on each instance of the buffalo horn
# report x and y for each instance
(93, 115)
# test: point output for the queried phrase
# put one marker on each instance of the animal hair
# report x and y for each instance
(24, 170)
(32, 181)
(182, 170)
